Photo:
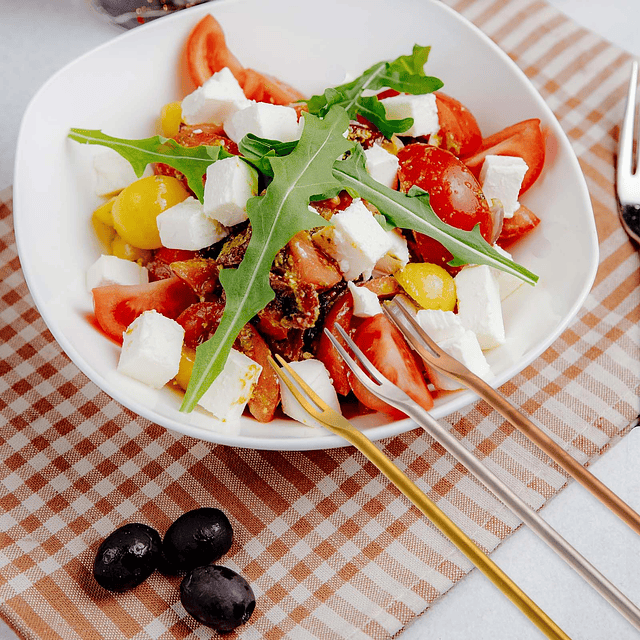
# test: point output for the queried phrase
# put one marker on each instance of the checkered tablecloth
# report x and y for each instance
(330, 549)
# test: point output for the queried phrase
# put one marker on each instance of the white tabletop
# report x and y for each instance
(40, 36)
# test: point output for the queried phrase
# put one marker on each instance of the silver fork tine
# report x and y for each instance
(625, 147)
(392, 394)
(418, 332)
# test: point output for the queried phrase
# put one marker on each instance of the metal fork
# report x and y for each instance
(381, 387)
(432, 354)
(320, 411)
(628, 181)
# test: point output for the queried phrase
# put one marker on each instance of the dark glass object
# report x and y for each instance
(131, 13)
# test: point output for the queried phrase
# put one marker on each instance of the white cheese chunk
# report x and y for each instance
(113, 270)
(479, 307)
(501, 178)
(507, 282)
(227, 397)
(185, 226)
(355, 241)
(446, 330)
(151, 349)
(314, 373)
(399, 249)
(112, 172)
(422, 108)
(365, 302)
(215, 101)
(230, 183)
(271, 121)
(381, 165)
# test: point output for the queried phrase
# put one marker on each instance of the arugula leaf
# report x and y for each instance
(404, 74)
(413, 211)
(275, 218)
(258, 151)
(191, 161)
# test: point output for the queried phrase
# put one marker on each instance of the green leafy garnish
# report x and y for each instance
(413, 211)
(191, 161)
(404, 74)
(275, 218)
(258, 151)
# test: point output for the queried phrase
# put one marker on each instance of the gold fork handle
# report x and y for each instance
(554, 451)
(455, 535)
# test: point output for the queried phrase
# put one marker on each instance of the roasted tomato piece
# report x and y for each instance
(326, 208)
(522, 222)
(341, 313)
(459, 131)
(266, 394)
(116, 306)
(207, 51)
(523, 139)
(310, 265)
(271, 321)
(159, 266)
(201, 274)
(454, 194)
(385, 347)
(199, 321)
(384, 286)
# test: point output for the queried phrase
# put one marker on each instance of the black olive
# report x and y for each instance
(217, 597)
(127, 557)
(196, 538)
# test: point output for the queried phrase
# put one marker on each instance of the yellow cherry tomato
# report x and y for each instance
(429, 285)
(122, 249)
(136, 207)
(104, 212)
(170, 119)
(104, 232)
(187, 359)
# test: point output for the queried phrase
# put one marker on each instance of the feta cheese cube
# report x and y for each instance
(113, 270)
(422, 108)
(440, 325)
(227, 397)
(230, 183)
(112, 172)
(507, 282)
(365, 302)
(355, 241)
(479, 307)
(314, 373)
(271, 121)
(215, 101)
(501, 178)
(185, 226)
(151, 349)
(381, 165)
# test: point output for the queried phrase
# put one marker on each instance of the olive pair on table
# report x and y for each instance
(215, 596)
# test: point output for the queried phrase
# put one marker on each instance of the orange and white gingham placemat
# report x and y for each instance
(330, 549)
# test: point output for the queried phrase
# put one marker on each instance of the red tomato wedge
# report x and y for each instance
(384, 345)
(116, 306)
(207, 53)
(523, 139)
(341, 313)
(459, 131)
(454, 194)
(310, 264)
(522, 222)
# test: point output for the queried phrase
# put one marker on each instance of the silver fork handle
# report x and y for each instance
(539, 526)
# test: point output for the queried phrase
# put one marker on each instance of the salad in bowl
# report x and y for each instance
(263, 214)
(270, 218)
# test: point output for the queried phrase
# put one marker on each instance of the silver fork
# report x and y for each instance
(381, 387)
(628, 180)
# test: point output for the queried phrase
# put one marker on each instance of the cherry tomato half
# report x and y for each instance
(454, 194)
(459, 131)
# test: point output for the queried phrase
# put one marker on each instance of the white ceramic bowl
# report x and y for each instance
(120, 87)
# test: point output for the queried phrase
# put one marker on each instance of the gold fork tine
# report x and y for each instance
(445, 363)
(339, 425)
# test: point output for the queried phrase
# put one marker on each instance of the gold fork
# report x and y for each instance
(337, 424)
(432, 354)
